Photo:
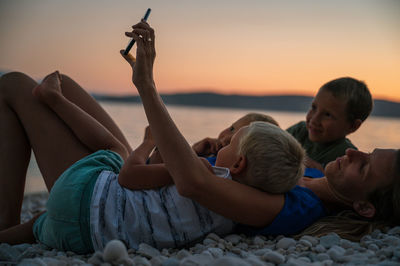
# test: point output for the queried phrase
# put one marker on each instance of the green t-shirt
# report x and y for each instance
(320, 152)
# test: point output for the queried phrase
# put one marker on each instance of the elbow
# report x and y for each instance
(191, 189)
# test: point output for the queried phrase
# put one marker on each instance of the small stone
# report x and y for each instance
(274, 257)
(330, 240)
(349, 251)
(8, 253)
(336, 253)
(242, 245)
(285, 243)
(216, 252)
(209, 242)
(197, 259)
(183, 253)
(157, 261)
(396, 253)
(319, 248)
(394, 231)
(31, 252)
(323, 256)
(327, 263)
(234, 239)
(344, 243)
(96, 258)
(198, 248)
(258, 241)
(32, 262)
(114, 250)
(260, 252)
(305, 243)
(21, 247)
(391, 240)
(148, 251)
(139, 261)
(373, 247)
(313, 240)
(254, 261)
(214, 237)
(388, 263)
(387, 252)
(171, 262)
(231, 261)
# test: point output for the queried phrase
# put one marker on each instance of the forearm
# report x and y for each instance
(177, 154)
(87, 129)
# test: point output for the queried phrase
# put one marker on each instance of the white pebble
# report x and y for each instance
(336, 253)
(330, 240)
(114, 250)
(234, 239)
(394, 231)
(285, 243)
(183, 253)
(148, 251)
(313, 240)
(274, 257)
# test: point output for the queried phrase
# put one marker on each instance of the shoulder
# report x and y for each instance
(298, 126)
(301, 208)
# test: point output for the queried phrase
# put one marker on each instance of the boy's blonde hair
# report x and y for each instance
(275, 159)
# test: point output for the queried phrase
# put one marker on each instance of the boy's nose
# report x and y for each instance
(315, 118)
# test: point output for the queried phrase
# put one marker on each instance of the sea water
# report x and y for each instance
(195, 123)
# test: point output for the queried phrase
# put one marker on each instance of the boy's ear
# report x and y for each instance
(239, 166)
(355, 125)
(364, 208)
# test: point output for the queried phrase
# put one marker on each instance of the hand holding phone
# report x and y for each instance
(132, 42)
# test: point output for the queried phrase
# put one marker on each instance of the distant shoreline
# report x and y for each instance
(291, 103)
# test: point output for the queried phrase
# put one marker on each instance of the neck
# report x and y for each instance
(331, 198)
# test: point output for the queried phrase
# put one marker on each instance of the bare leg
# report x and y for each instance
(76, 94)
(20, 233)
(15, 153)
(25, 123)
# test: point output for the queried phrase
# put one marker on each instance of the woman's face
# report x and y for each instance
(356, 174)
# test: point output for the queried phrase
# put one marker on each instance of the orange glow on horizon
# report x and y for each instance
(251, 48)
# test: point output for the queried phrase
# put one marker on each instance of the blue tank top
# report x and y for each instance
(301, 209)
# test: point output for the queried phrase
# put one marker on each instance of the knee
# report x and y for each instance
(15, 81)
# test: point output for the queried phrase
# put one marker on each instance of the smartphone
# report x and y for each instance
(132, 42)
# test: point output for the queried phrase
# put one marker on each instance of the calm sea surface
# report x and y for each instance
(196, 123)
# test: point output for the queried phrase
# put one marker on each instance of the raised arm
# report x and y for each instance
(190, 175)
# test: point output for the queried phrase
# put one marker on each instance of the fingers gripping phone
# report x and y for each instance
(132, 41)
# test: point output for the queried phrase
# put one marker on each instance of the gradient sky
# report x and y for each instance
(244, 47)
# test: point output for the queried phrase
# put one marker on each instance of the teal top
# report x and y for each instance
(320, 152)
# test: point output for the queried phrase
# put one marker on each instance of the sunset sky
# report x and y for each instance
(255, 47)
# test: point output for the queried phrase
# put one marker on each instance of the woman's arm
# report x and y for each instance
(192, 178)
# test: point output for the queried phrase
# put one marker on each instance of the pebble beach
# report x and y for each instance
(378, 248)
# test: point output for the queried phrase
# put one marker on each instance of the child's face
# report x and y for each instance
(327, 120)
(226, 135)
(228, 155)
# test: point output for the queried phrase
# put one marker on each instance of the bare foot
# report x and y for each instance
(50, 86)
